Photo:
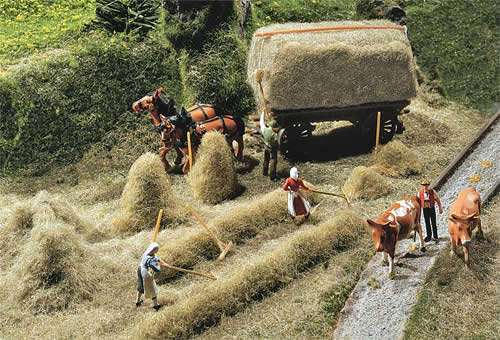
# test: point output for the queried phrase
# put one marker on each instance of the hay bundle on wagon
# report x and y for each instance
(330, 71)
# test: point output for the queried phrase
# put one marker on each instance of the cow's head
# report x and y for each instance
(383, 236)
(462, 226)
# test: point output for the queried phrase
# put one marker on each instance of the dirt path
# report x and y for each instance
(379, 308)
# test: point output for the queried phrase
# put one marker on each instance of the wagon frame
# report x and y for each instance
(297, 124)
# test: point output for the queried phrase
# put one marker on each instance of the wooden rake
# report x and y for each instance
(224, 248)
(344, 196)
(210, 275)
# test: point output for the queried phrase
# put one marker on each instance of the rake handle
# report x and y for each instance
(332, 194)
(210, 276)
(221, 245)
(158, 220)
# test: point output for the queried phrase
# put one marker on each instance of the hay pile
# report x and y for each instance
(147, 191)
(54, 270)
(332, 68)
(14, 233)
(270, 272)
(423, 130)
(43, 210)
(365, 183)
(213, 177)
(397, 160)
(50, 207)
(236, 226)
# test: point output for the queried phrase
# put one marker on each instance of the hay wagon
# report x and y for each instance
(333, 71)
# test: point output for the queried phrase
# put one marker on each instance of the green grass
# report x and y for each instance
(280, 11)
(30, 26)
(456, 41)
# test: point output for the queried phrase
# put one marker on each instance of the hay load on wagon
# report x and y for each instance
(329, 71)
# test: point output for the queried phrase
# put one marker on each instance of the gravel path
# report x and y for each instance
(379, 308)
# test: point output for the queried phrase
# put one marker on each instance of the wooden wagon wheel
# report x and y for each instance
(292, 137)
(388, 126)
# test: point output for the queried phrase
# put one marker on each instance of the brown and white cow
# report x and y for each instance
(395, 224)
(464, 218)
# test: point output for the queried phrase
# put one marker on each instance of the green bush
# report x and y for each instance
(191, 30)
(138, 16)
(62, 103)
(217, 75)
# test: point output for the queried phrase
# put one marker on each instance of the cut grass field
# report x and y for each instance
(318, 287)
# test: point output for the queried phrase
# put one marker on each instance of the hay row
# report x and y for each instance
(271, 272)
(333, 68)
(237, 225)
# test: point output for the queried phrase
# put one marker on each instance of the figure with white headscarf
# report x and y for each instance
(146, 284)
(297, 204)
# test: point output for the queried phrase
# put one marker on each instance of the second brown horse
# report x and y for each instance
(199, 118)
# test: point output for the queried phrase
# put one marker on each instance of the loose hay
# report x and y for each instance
(397, 160)
(147, 191)
(15, 231)
(47, 208)
(55, 270)
(269, 273)
(332, 68)
(236, 226)
(213, 177)
(422, 130)
(365, 183)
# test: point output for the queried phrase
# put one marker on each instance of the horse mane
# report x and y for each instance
(166, 108)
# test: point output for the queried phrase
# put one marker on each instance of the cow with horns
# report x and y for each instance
(173, 126)
(464, 218)
(394, 225)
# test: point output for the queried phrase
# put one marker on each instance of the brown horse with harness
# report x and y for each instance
(198, 119)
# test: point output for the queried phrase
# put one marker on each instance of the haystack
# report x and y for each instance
(44, 210)
(365, 183)
(213, 177)
(397, 160)
(147, 191)
(332, 68)
(55, 270)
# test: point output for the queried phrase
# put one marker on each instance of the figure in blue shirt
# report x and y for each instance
(145, 275)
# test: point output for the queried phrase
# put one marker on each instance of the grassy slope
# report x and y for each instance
(456, 42)
(465, 63)
(30, 26)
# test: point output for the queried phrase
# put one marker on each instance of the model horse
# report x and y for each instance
(172, 125)
(175, 130)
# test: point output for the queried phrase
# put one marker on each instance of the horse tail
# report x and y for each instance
(241, 126)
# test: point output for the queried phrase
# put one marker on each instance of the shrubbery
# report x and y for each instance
(59, 104)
